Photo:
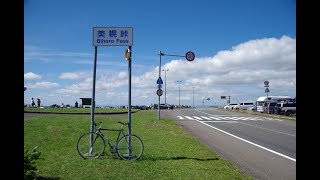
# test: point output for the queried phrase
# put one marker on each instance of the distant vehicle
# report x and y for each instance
(286, 108)
(253, 108)
(54, 106)
(261, 100)
(230, 106)
(243, 105)
(166, 106)
(144, 107)
(268, 107)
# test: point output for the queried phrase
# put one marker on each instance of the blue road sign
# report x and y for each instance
(159, 81)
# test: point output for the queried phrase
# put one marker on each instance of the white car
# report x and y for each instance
(229, 106)
(243, 105)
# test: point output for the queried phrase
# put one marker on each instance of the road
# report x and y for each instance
(263, 147)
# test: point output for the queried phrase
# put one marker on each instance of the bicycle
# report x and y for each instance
(92, 144)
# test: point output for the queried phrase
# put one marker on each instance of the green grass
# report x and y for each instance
(170, 152)
(78, 110)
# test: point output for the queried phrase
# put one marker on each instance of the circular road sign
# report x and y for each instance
(266, 83)
(190, 56)
(159, 92)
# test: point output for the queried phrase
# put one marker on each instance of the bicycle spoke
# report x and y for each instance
(130, 153)
(93, 150)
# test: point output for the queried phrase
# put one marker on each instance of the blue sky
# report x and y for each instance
(238, 45)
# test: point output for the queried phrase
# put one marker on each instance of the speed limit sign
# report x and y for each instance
(190, 56)
(159, 92)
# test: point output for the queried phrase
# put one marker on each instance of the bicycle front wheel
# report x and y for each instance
(132, 152)
(91, 145)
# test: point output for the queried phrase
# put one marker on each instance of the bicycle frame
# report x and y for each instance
(106, 139)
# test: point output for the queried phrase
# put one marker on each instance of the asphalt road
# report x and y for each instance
(263, 147)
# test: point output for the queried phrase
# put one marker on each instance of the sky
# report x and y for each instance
(237, 45)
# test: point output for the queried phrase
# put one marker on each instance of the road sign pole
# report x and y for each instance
(189, 56)
(93, 96)
(159, 77)
(129, 101)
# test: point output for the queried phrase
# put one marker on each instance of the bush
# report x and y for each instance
(30, 166)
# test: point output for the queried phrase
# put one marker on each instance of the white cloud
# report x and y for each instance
(238, 72)
(42, 85)
(74, 75)
(229, 72)
(31, 76)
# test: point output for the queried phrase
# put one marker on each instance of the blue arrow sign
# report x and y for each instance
(159, 81)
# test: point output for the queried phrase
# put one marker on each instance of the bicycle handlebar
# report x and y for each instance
(96, 124)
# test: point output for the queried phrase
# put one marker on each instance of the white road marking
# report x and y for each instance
(222, 121)
(188, 117)
(216, 118)
(180, 117)
(204, 117)
(196, 117)
(254, 144)
(257, 145)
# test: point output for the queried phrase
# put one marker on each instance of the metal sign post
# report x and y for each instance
(111, 36)
(93, 97)
(189, 56)
(160, 54)
(93, 87)
(129, 100)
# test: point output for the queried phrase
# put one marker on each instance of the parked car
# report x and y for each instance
(166, 106)
(253, 108)
(243, 105)
(54, 106)
(230, 106)
(163, 106)
(268, 107)
(286, 108)
(144, 107)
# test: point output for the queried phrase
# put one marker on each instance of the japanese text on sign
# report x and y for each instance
(112, 36)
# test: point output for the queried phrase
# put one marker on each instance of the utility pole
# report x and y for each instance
(165, 85)
(193, 96)
(179, 82)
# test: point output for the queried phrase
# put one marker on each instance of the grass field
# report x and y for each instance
(78, 110)
(169, 151)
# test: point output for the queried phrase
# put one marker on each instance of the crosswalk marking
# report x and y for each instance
(223, 121)
(216, 118)
(204, 117)
(188, 117)
(220, 118)
(197, 117)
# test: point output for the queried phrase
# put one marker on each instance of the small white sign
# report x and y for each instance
(112, 36)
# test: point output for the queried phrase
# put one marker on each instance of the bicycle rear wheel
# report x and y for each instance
(130, 153)
(88, 152)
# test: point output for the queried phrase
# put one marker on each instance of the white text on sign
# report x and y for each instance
(112, 36)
